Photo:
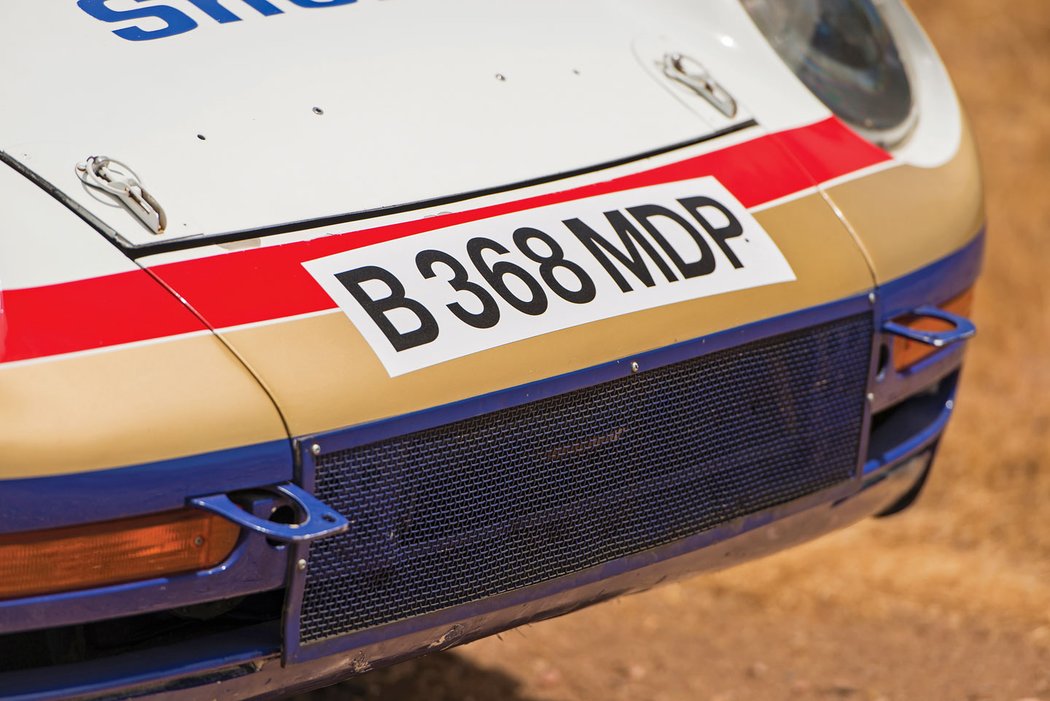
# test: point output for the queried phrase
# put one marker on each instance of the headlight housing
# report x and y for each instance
(845, 53)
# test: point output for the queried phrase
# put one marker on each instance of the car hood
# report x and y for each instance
(249, 116)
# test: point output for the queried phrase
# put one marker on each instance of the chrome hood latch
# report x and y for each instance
(692, 74)
(120, 181)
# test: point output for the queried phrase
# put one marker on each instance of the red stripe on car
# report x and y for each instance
(266, 284)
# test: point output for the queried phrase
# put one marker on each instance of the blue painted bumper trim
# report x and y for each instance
(150, 667)
(86, 497)
(934, 283)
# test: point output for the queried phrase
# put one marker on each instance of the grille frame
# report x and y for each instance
(296, 649)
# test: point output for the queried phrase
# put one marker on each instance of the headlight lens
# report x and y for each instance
(845, 54)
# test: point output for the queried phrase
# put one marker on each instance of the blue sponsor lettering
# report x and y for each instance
(264, 7)
(178, 22)
(322, 3)
(216, 11)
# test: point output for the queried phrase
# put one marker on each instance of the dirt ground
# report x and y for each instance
(949, 601)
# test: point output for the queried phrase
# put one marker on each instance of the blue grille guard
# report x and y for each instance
(316, 519)
(963, 328)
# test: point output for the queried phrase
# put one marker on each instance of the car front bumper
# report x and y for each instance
(892, 458)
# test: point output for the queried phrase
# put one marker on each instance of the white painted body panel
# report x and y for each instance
(43, 243)
(413, 107)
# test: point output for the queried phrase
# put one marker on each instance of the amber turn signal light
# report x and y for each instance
(907, 352)
(82, 557)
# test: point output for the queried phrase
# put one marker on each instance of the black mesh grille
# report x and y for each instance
(467, 510)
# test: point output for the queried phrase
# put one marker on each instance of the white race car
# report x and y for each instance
(333, 332)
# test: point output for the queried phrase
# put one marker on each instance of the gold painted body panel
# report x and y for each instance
(324, 376)
(907, 217)
(129, 405)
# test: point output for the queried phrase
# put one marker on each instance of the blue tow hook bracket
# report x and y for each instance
(316, 519)
(963, 328)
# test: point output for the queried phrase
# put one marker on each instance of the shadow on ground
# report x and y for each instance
(439, 677)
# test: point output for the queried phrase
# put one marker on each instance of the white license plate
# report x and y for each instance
(427, 298)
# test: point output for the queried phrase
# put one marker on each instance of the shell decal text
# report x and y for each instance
(160, 21)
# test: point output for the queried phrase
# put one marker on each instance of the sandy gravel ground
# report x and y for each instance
(950, 600)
